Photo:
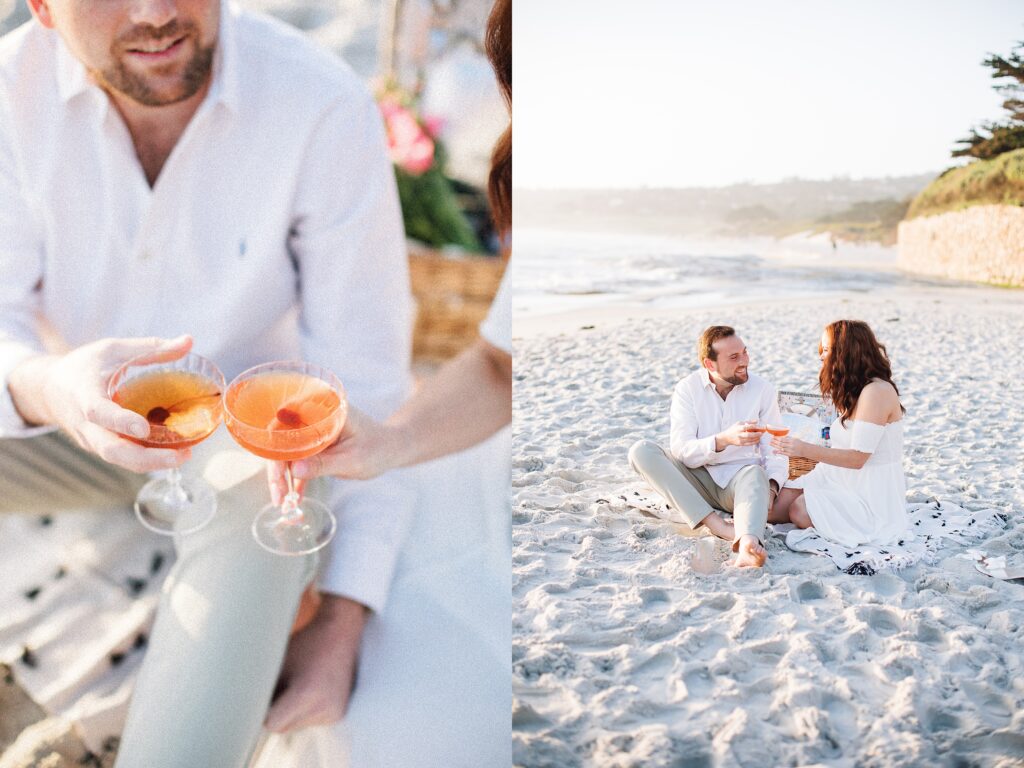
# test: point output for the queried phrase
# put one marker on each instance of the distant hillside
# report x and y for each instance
(853, 209)
(999, 181)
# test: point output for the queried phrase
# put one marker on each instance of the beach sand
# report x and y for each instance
(624, 656)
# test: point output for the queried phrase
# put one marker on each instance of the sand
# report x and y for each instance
(624, 656)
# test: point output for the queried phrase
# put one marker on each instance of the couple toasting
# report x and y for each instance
(855, 493)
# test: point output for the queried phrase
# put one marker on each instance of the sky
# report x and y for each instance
(679, 93)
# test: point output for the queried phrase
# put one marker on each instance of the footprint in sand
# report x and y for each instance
(989, 702)
(658, 666)
(526, 718)
(770, 649)
(721, 603)
(937, 720)
(929, 634)
(882, 621)
(808, 591)
(654, 596)
(698, 682)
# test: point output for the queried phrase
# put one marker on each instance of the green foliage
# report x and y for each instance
(993, 139)
(430, 208)
(999, 181)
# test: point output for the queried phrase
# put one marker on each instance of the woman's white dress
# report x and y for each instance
(860, 506)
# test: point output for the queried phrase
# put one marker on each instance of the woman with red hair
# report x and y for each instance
(856, 493)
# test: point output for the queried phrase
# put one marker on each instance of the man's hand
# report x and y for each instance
(364, 450)
(70, 391)
(737, 434)
(319, 668)
(789, 446)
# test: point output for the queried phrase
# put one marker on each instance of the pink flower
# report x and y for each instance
(410, 147)
(434, 125)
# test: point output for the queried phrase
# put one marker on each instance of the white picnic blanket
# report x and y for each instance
(933, 525)
(78, 592)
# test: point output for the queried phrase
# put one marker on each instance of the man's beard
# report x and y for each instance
(119, 77)
(737, 378)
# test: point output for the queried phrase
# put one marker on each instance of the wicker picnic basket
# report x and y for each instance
(452, 298)
(803, 404)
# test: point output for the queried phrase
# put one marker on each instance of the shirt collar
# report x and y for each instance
(72, 78)
(705, 377)
(706, 382)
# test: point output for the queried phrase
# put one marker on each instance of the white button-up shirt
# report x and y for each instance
(272, 233)
(699, 413)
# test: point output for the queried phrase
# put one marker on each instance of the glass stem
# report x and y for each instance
(290, 505)
(179, 496)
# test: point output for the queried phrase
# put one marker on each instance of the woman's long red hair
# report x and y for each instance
(855, 359)
(498, 42)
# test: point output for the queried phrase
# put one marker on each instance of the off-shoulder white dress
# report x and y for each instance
(860, 506)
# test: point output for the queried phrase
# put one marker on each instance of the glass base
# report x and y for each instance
(167, 509)
(307, 531)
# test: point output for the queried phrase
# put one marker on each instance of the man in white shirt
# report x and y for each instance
(174, 170)
(713, 465)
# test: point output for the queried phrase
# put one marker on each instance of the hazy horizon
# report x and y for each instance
(682, 188)
(671, 94)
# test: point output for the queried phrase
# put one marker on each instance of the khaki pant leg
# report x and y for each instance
(221, 630)
(49, 474)
(690, 491)
(746, 496)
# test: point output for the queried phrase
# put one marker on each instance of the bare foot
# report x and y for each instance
(751, 553)
(719, 527)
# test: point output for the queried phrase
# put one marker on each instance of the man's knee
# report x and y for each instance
(641, 453)
(753, 477)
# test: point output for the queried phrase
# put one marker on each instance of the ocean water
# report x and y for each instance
(558, 271)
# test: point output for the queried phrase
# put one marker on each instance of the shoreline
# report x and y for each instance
(526, 325)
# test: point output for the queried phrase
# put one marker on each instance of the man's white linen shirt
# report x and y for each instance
(699, 413)
(272, 233)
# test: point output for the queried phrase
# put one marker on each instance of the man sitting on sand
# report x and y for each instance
(714, 464)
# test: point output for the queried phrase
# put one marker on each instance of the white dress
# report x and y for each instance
(860, 506)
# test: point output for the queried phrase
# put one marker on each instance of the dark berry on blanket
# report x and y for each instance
(156, 563)
(46, 520)
(135, 586)
(29, 658)
(140, 641)
(61, 573)
(116, 658)
(33, 593)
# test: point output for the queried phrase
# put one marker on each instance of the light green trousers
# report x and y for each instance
(225, 611)
(695, 494)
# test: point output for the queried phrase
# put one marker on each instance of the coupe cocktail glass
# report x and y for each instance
(777, 430)
(285, 412)
(181, 400)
